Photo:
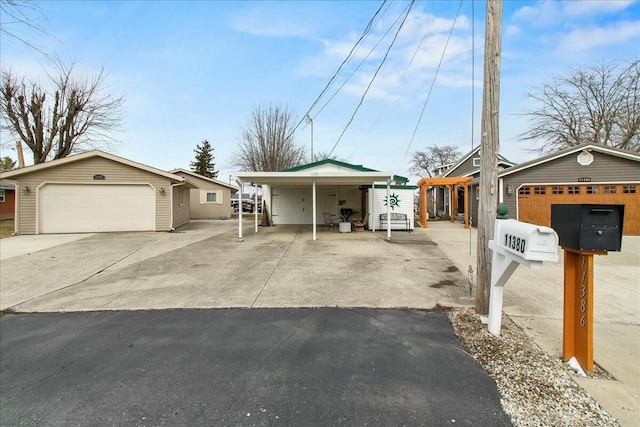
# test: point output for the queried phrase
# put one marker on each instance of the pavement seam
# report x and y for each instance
(275, 268)
(13, 307)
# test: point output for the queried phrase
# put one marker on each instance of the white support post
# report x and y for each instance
(313, 202)
(371, 205)
(388, 209)
(240, 211)
(255, 206)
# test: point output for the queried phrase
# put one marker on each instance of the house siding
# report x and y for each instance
(181, 211)
(604, 169)
(209, 210)
(82, 171)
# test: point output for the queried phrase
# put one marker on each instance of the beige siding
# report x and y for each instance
(180, 210)
(205, 210)
(82, 171)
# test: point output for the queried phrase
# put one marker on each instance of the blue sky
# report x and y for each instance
(193, 70)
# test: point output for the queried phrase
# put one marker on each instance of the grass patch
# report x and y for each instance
(6, 228)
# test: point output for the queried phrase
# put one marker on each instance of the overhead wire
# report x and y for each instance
(424, 106)
(363, 61)
(415, 53)
(355, 47)
(373, 78)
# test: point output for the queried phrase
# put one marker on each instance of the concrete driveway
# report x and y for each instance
(203, 265)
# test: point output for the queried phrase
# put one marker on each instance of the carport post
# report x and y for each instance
(255, 206)
(313, 207)
(240, 211)
(388, 209)
(371, 205)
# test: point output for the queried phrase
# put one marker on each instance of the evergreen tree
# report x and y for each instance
(203, 164)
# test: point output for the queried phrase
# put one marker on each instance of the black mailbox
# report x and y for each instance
(588, 227)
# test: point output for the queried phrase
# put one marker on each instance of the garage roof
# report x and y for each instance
(87, 155)
(630, 155)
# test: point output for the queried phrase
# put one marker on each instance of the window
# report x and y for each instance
(539, 190)
(524, 191)
(609, 189)
(592, 189)
(629, 189)
(558, 189)
(212, 197)
(476, 161)
(573, 189)
(2, 196)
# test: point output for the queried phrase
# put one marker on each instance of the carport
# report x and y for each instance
(314, 178)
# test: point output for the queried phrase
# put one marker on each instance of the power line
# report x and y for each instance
(373, 78)
(366, 31)
(424, 106)
(363, 61)
(415, 53)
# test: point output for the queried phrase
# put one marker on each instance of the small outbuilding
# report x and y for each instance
(7, 199)
(212, 198)
(98, 192)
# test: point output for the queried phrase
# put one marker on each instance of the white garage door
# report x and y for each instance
(96, 208)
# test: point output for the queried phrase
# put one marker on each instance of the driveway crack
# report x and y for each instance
(275, 268)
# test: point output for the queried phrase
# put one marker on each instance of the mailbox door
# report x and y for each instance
(600, 238)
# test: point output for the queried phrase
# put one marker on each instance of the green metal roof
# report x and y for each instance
(358, 168)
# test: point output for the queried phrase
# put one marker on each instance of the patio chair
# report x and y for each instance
(329, 221)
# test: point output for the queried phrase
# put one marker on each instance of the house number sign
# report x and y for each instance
(516, 243)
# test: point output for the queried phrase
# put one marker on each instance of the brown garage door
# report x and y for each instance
(534, 202)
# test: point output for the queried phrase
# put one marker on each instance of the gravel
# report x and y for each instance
(536, 389)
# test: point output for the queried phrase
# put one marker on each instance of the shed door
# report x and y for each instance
(291, 205)
(534, 202)
(68, 208)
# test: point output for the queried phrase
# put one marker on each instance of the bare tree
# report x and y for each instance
(266, 142)
(17, 19)
(426, 161)
(598, 105)
(76, 115)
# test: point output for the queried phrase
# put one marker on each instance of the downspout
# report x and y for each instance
(501, 190)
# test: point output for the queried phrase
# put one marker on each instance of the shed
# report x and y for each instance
(98, 192)
(7, 199)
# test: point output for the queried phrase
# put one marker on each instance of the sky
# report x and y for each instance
(195, 70)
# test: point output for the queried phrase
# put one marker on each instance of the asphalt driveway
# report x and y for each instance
(203, 265)
(285, 367)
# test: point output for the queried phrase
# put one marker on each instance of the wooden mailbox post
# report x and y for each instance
(584, 231)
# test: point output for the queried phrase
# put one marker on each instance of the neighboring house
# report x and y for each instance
(587, 173)
(98, 192)
(441, 197)
(7, 199)
(342, 190)
(212, 198)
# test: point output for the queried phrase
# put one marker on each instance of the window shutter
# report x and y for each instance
(219, 197)
(203, 197)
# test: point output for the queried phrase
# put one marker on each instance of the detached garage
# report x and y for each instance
(98, 192)
(588, 173)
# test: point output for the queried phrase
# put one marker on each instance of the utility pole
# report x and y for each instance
(490, 146)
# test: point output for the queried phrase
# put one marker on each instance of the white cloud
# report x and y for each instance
(258, 23)
(548, 12)
(587, 38)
